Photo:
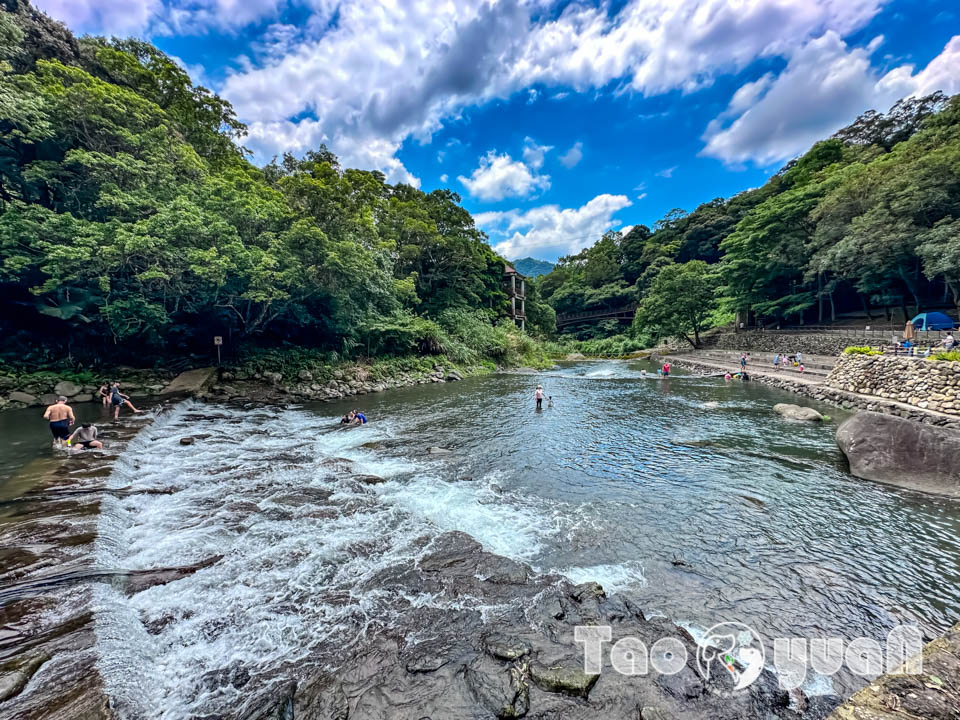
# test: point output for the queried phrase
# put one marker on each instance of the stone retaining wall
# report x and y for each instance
(833, 396)
(771, 342)
(925, 384)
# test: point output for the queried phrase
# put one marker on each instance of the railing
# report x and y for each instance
(885, 332)
(622, 313)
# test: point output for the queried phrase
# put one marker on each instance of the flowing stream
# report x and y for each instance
(688, 494)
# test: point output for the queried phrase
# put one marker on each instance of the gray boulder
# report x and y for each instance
(902, 452)
(797, 412)
(67, 388)
(22, 397)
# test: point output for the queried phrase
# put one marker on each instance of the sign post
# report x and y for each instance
(218, 341)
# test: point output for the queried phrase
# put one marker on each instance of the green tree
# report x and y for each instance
(680, 302)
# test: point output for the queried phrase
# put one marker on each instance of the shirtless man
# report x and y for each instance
(61, 418)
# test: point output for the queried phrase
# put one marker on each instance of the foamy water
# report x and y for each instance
(689, 494)
(299, 545)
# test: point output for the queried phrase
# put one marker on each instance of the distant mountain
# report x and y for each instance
(531, 267)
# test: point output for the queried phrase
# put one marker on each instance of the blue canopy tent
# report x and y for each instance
(933, 321)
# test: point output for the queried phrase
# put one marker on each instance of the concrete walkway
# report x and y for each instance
(810, 378)
(814, 386)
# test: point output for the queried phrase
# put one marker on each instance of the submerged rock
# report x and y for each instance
(902, 452)
(797, 412)
(476, 635)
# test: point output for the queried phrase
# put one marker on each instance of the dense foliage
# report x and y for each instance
(868, 220)
(133, 226)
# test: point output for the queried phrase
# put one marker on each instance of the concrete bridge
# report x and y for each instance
(622, 314)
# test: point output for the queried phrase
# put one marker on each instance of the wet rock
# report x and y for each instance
(15, 675)
(571, 680)
(797, 412)
(439, 451)
(82, 397)
(187, 440)
(453, 375)
(901, 452)
(67, 388)
(652, 713)
(686, 684)
(819, 707)
(506, 648)
(22, 397)
(576, 356)
(370, 479)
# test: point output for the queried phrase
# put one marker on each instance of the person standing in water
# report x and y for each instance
(61, 418)
(118, 400)
(538, 396)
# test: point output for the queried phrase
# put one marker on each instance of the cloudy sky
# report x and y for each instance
(555, 121)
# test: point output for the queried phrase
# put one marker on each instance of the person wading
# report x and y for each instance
(118, 400)
(538, 396)
(61, 418)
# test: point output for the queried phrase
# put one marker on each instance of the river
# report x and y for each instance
(687, 494)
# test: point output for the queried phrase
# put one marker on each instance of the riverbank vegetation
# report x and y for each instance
(867, 220)
(134, 229)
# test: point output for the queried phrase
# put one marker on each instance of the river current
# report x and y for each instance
(688, 494)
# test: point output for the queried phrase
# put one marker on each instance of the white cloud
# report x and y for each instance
(641, 196)
(550, 229)
(824, 87)
(102, 16)
(534, 154)
(390, 71)
(162, 17)
(500, 176)
(444, 178)
(572, 156)
(667, 172)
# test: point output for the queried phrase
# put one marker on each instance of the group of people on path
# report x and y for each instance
(61, 418)
(781, 360)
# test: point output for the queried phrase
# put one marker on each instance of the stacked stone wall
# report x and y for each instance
(925, 384)
(773, 342)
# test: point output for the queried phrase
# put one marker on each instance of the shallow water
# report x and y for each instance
(686, 493)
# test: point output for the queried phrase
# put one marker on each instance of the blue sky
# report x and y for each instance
(554, 121)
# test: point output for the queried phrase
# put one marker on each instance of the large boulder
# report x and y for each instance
(797, 412)
(190, 382)
(22, 397)
(902, 452)
(67, 388)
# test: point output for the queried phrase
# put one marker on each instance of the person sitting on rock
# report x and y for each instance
(61, 418)
(118, 400)
(85, 437)
(359, 418)
(103, 392)
(347, 419)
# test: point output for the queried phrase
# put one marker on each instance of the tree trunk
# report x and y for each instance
(866, 305)
(820, 298)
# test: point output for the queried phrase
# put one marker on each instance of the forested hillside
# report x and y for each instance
(133, 227)
(531, 267)
(867, 220)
